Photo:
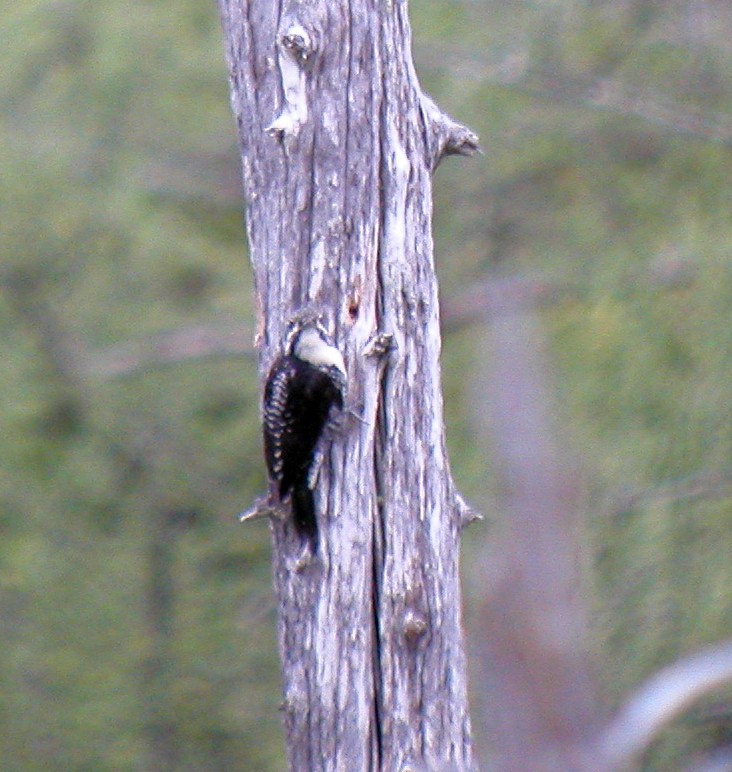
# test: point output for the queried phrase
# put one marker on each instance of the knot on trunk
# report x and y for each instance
(415, 625)
(444, 135)
(297, 42)
(297, 46)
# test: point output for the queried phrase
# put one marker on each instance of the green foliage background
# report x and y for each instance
(135, 614)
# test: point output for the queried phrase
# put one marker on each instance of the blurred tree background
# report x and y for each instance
(136, 615)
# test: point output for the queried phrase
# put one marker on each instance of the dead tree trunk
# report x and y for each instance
(338, 146)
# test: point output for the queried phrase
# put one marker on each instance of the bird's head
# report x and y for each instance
(309, 342)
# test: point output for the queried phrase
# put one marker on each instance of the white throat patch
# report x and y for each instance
(310, 347)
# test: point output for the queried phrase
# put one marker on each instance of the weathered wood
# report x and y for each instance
(338, 146)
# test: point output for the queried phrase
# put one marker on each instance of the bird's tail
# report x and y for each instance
(303, 513)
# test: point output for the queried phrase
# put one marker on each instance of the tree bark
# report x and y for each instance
(338, 146)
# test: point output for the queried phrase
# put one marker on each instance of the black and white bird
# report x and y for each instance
(303, 385)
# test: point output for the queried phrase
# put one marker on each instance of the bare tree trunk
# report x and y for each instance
(338, 146)
(538, 699)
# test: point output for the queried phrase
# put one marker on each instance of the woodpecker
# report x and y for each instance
(305, 382)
